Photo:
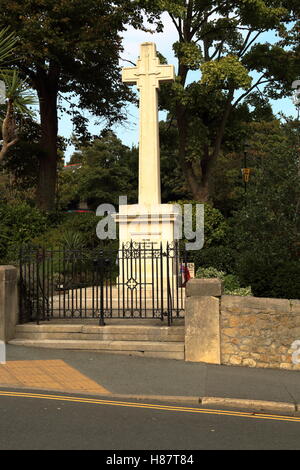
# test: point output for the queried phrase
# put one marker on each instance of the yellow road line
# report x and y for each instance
(149, 406)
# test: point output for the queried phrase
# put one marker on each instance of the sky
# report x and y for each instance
(128, 131)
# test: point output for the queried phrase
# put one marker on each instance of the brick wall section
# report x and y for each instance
(258, 332)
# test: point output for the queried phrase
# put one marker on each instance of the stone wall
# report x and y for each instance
(242, 331)
(259, 332)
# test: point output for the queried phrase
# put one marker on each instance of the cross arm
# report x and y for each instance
(128, 75)
(166, 73)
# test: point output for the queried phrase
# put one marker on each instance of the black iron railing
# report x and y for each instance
(136, 281)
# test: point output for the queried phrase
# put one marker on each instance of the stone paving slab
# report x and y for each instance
(47, 375)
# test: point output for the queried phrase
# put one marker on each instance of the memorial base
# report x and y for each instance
(153, 225)
(150, 231)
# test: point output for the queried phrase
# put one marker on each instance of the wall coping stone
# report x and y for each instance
(248, 304)
(8, 273)
(204, 288)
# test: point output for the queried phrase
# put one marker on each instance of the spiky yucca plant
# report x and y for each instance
(18, 97)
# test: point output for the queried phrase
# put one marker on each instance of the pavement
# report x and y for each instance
(112, 375)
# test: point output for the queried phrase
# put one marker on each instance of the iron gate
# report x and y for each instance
(136, 281)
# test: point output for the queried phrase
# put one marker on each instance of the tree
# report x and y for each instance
(108, 170)
(69, 47)
(226, 183)
(173, 185)
(21, 161)
(267, 227)
(221, 39)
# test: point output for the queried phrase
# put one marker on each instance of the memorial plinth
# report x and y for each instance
(148, 224)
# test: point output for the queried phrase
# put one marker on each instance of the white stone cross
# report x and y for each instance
(147, 75)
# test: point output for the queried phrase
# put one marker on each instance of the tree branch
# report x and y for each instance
(246, 46)
(127, 60)
(259, 82)
(218, 50)
(177, 26)
(220, 135)
(205, 18)
(188, 22)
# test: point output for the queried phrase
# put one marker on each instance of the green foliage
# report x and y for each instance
(231, 282)
(268, 276)
(215, 225)
(67, 43)
(216, 251)
(227, 73)
(266, 230)
(70, 48)
(20, 223)
(73, 230)
(17, 90)
(8, 42)
(17, 95)
(223, 40)
(173, 186)
(222, 257)
(278, 65)
(21, 162)
(189, 54)
(72, 240)
(108, 170)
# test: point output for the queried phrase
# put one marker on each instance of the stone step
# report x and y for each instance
(100, 337)
(168, 350)
(107, 333)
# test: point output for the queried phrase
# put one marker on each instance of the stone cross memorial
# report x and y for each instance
(149, 221)
(147, 75)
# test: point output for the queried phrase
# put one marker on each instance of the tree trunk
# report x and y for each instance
(197, 174)
(196, 180)
(9, 136)
(198, 184)
(47, 176)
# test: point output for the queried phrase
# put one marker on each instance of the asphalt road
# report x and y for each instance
(50, 424)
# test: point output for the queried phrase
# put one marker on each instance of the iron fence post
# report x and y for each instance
(100, 266)
(168, 286)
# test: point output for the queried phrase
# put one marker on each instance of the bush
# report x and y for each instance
(286, 281)
(215, 225)
(231, 282)
(266, 229)
(20, 223)
(270, 276)
(217, 250)
(221, 257)
(74, 230)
